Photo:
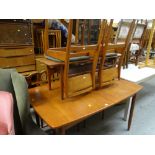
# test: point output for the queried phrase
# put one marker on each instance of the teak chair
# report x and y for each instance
(80, 61)
(137, 42)
(111, 56)
(124, 35)
(107, 61)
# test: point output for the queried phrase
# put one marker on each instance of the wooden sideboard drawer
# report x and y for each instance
(17, 61)
(12, 52)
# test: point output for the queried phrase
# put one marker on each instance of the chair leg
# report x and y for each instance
(84, 123)
(37, 119)
(102, 114)
(42, 125)
(78, 127)
(49, 74)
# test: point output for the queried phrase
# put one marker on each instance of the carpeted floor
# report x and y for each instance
(113, 124)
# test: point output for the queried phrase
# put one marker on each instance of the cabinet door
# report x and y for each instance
(15, 33)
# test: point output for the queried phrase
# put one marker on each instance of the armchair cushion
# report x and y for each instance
(6, 113)
(5, 80)
(20, 88)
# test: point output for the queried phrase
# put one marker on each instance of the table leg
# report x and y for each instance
(49, 74)
(62, 84)
(127, 108)
(37, 119)
(102, 114)
(60, 131)
(131, 111)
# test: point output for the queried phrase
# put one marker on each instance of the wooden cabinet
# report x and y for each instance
(89, 30)
(21, 58)
(15, 32)
(16, 45)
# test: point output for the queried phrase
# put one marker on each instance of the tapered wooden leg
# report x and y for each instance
(49, 75)
(42, 124)
(37, 119)
(127, 59)
(131, 111)
(62, 82)
(78, 127)
(84, 123)
(127, 109)
(102, 114)
(62, 131)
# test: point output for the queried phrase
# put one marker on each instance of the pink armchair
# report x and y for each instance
(6, 114)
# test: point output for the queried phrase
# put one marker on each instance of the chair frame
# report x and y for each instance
(114, 72)
(138, 40)
(126, 40)
(64, 54)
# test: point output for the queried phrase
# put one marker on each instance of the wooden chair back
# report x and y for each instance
(137, 42)
(139, 33)
(114, 53)
(123, 30)
(73, 56)
(124, 34)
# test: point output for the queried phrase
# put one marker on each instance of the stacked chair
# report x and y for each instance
(90, 66)
(110, 58)
(124, 35)
(137, 43)
(80, 61)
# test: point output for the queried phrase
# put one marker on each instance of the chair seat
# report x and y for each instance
(80, 58)
(80, 68)
(83, 68)
(112, 55)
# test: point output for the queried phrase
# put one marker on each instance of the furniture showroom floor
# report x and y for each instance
(113, 123)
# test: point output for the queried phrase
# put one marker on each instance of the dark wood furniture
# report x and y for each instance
(87, 31)
(62, 114)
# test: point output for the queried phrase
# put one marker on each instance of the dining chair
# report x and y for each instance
(137, 43)
(78, 75)
(124, 35)
(112, 53)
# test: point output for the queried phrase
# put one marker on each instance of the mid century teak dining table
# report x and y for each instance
(61, 114)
